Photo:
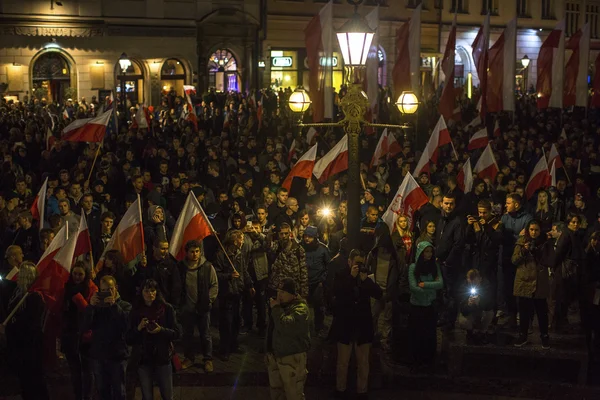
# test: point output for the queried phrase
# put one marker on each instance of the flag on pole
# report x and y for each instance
(381, 150)
(312, 132)
(65, 114)
(292, 151)
(576, 70)
(192, 224)
(38, 208)
(406, 73)
(497, 131)
(480, 46)
(333, 162)
(553, 175)
(409, 198)
(478, 140)
(475, 123)
(550, 63)
(554, 157)
(486, 166)
(448, 99)
(540, 178)
(55, 245)
(464, 179)
(87, 129)
(83, 241)
(439, 137)
(501, 71)
(303, 167)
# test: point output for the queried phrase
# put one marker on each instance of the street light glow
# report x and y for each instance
(355, 38)
(299, 100)
(407, 103)
(124, 62)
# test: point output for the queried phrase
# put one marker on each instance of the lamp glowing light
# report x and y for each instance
(299, 100)
(407, 103)
(525, 61)
(354, 38)
(124, 63)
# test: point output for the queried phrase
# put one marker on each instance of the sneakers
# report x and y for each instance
(187, 363)
(522, 341)
(545, 342)
(208, 366)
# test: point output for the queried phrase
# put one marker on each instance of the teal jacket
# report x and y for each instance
(291, 333)
(423, 296)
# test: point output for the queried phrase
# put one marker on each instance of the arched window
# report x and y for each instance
(132, 81)
(461, 66)
(172, 76)
(51, 77)
(222, 71)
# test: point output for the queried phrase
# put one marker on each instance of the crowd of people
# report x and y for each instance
(480, 261)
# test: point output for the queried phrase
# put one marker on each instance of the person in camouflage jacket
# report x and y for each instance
(288, 260)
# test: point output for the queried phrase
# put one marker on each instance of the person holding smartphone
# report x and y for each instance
(476, 307)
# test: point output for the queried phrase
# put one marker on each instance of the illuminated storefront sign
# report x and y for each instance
(281, 62)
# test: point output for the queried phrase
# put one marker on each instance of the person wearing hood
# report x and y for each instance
(425, 279)
(514, 223)
(317, 258)
(158, 226)
(532, 284)
(388, 267)
(200, 288)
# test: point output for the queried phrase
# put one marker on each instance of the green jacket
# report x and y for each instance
(423, 296)
(291, 329)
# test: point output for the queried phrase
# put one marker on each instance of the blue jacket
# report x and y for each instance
(512, 225)
(423, 296)
(316, 263)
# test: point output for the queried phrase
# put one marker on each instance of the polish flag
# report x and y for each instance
(501, 71)
(409, 198)
(576, 70)
(50, 140)
(38, 208)
(192, 224)
(312, 132)
(553, 175)
(141, 117)
(13, 275)
(87, 129)
(497, 131)
(128, 238)
(486, 166)
(480, 46)
(83, 243)
(439, 137)
(292, 151)
(464, 179)
(448, 99)
(303, 167)
(550, 67)
(406, 72)
(334, 162)
(381, 150)
(394, 147)
(318, 39)
(189, 90)
(554, 157)
(65, 114)
(55, 245)
(475, 123)
(478, 140)
(596, 84)
(540, 178)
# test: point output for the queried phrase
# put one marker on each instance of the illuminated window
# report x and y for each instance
(172, 76)
(222, 71)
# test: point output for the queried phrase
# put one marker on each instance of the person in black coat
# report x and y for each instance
(153, 327)
(162, 268)
(352, 320)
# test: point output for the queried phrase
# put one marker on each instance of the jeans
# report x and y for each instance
(110, 378)
(189, 321)
(526, 307)
(229, 323)
(315, 300)
(162, 374)
(82, 377)
(260, 301)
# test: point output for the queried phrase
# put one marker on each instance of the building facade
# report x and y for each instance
(71, 48)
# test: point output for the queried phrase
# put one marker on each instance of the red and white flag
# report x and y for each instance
(318, 38)
(486, 166)
(38, 208)
(192, 224)
(292, 151)
(83, 243)
(478, 140)
(55, 245)
(312, 132)
(464, 179)
(189, 90)
(497, 131)
(142, 119)
(448, 99)
(303, 167)
(439, 137)
(553, 175)
(501, 71)
(87, 129)
(540, 178)
(576, 70)
(333, 162)
(475, 123)
(128, 237)
(406, 72)
(394, 147)
(480, 46)
(554, 157)
(409, 198)
(65, 114)
(50, 140)
(550, 69)
(381, 150)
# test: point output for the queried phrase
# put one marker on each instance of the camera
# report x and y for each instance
(362, 268)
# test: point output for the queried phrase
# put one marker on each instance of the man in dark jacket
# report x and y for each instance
(234, 279)
(352, 322)
(450, 242)
(163, 269)
(108, 319)
(317, 258)
(199, 291)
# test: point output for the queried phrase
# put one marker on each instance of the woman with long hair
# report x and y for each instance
(427, 234)
(424, 279)
(78, 291)
(302, 222)
(24, 335)
(543, 211)
(154, 328)
(402, 235)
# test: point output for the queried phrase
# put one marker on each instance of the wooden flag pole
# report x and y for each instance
(94, 163)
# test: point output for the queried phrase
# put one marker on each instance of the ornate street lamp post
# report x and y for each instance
(124, 63)
(354, 39)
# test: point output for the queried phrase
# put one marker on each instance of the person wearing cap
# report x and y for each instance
(288, 342)
(317, 258)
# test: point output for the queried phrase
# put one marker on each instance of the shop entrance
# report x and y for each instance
(223, 74)
(51, 78)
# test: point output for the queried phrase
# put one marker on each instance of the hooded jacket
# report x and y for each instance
(512, 225)
(291, 328)
(532, 277)
(423, 296)
(161, 231)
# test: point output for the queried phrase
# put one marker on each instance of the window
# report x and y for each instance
(489, 5)
(415, 3)
(591, 17)
(460, 6)
(172, 76)
(571, 18)
(547, 9)
(523, 9)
